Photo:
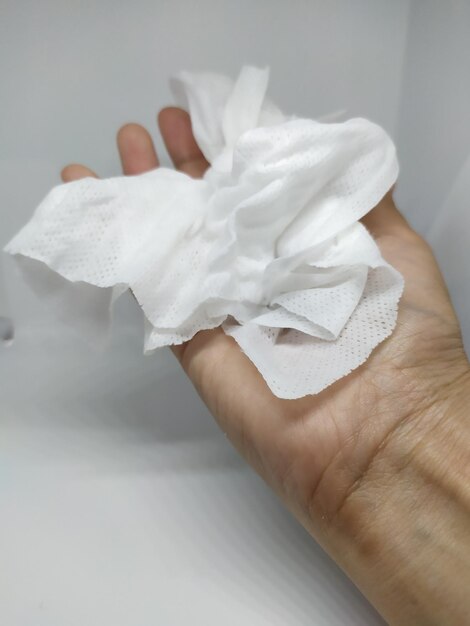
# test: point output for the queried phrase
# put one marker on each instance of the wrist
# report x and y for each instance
(407, 522)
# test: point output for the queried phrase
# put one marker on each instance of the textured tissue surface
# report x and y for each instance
(268, 244)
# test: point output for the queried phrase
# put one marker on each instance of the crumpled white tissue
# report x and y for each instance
(268, 244)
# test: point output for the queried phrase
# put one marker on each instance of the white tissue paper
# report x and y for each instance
(267, 244)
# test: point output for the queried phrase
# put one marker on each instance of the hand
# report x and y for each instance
(315, 449)
(323, 454)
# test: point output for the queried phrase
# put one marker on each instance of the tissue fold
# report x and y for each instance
(268, 244)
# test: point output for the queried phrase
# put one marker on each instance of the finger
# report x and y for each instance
(136, 150)
(229, 383)
(177, 134)
(138, 155)
(226, 379)
(75, 171)
(213, 361)
(233, 389)
(175, 127)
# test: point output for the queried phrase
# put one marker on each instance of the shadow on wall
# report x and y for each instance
(450, 238)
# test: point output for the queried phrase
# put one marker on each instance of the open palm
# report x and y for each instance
(315, 451)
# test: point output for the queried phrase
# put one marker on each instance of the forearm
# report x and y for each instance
(403, 534)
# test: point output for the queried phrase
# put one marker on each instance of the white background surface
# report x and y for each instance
(121, 502)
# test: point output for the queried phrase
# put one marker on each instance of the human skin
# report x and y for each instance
(376, 466)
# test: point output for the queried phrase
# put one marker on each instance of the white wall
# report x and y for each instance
(433, 137)
(433, 132)
(72, 72)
